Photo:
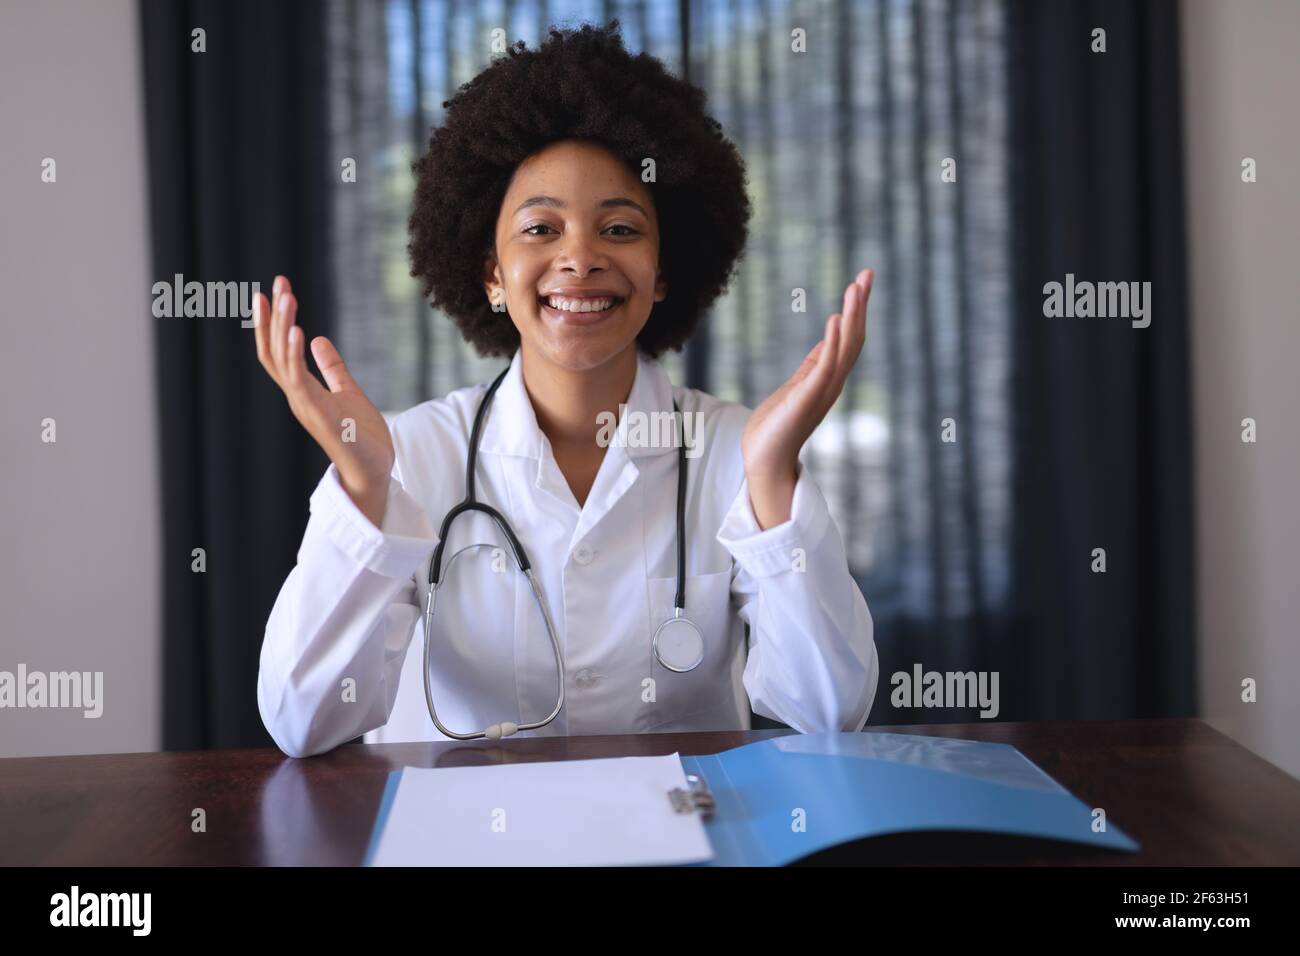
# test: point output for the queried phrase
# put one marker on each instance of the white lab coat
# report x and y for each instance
(338, 659)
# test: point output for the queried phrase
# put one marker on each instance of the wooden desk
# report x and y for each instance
(1188, 794)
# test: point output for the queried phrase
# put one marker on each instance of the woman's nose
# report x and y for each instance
(581, 254)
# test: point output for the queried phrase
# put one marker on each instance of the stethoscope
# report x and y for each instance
(677, 644)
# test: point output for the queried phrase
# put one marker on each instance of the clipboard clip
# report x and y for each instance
(699, 798)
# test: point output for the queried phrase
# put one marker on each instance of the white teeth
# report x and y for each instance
(579, 305)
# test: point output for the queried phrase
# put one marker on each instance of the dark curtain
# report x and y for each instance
(238, 178)
(1103, 432)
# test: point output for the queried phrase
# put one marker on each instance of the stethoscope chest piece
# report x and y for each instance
(679, 645)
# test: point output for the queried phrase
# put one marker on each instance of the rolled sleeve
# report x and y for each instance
(394, 550)
(812, 660)
(765, 552)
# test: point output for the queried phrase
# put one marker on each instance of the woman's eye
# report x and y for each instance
(630, 231)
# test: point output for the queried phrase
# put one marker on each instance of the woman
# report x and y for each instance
(577, 213)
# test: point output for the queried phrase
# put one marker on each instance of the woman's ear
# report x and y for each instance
(661, 286)
(492, 284)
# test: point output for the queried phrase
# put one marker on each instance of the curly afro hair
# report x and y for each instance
(579, 84)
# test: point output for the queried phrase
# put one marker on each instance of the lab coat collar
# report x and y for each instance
(511, 427)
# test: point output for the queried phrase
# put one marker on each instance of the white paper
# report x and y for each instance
(609, 812)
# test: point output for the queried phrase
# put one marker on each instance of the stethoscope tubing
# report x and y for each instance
(506, 729)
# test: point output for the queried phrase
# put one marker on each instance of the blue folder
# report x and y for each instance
(784, 798)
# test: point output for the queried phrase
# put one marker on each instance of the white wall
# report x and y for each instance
(79, 519)
(1242, 98)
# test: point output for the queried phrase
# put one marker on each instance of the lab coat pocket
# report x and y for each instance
(702, 698)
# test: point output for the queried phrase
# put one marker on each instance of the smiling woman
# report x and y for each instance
(578, 212)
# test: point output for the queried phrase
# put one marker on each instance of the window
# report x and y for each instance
(846, 145)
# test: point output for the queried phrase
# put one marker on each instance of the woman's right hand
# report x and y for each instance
(365, 461)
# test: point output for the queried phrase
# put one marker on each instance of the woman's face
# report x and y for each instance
(576, 224)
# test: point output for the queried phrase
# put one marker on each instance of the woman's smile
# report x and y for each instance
(579, 311)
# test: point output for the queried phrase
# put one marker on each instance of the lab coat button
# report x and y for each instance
(583, 677)
(582, 554)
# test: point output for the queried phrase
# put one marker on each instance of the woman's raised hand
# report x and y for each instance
(342, 420)
(783, 422)
(778, 428)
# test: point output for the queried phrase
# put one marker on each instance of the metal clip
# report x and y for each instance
(697, 798)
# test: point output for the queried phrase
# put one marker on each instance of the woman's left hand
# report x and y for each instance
(778, 428)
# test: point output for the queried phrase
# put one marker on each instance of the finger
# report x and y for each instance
(851, 310)
(831, 340)
(331, 365)
(868, 278)
(297, 364)
(836, 358)
(820, 378)
(279, 286)
(272, 330)
(260, 333)
(300, 376)
(860, 326)
(280, 325)
(275, 296)
(855, 307)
